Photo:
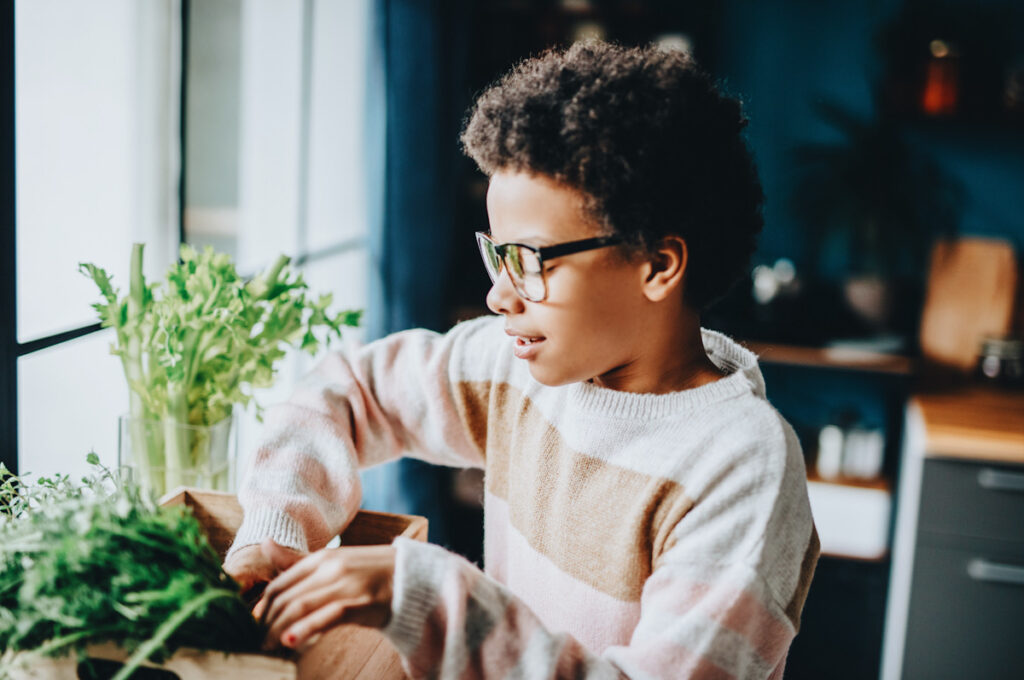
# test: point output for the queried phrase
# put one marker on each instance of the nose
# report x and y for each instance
(502, 298)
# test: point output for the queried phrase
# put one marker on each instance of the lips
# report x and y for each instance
(521, 336)
(526, 343)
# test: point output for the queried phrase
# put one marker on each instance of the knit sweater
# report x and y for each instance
(626, 535)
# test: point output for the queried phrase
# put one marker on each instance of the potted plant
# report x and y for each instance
(196, 345)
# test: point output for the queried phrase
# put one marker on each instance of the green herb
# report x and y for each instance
(88, 563)
(194, 349)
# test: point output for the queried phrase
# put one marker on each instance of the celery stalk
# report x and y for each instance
(178, 445)
(146, 444)
(199, 349)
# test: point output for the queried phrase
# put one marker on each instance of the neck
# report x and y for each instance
(674, 359)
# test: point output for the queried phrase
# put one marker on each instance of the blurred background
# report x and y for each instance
(884, 299)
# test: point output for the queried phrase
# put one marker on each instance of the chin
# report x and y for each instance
(552, 378)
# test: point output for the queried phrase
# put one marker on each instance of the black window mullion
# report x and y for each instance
(56, 339)
(8, 243)
(183, 119)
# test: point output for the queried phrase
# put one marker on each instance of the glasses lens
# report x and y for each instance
(491, 260)
(532, 287)
(523, 265)
(527, 273)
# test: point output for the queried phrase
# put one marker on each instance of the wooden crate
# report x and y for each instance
(347, 652)
(186, 664)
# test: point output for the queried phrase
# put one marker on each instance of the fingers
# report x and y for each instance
(326, 588)
(312, 612)
(307, 572)
(253, 566)
(315, 623)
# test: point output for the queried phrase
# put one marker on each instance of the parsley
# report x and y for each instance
(82, 564)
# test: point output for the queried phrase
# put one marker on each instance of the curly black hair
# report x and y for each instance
(646, 135)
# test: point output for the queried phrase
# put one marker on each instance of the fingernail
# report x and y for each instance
(289, 639)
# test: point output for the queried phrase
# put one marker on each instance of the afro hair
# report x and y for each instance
(647, 136)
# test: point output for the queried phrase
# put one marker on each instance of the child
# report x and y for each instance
(646, 510)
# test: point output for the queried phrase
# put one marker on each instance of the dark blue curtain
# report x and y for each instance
(415, 105)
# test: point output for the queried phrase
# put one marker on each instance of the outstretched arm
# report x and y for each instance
(413, 393)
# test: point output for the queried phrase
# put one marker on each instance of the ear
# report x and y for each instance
(665, 268)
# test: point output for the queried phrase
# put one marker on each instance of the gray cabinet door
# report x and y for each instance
(973, 499)
(966, 617)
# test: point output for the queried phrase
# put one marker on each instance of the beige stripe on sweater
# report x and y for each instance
(606, 529)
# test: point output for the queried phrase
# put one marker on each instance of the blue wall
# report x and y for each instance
(782, 56)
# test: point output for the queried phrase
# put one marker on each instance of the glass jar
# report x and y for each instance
(163, 455)
(1001, 361)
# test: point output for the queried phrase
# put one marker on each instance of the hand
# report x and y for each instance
(328, 588)
(255, 565)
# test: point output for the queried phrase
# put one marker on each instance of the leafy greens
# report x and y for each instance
(194, 349)
(100, 561)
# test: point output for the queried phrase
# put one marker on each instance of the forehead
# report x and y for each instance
(535, 209)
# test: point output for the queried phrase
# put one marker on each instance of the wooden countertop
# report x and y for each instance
(975, 423)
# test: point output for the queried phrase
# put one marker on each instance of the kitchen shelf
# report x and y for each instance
(832, 357)
(877, 483)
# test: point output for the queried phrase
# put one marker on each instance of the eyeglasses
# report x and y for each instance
(525, 264)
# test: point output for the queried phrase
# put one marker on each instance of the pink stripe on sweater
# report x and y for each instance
(667, 660)
(737, 610)
(561, 602)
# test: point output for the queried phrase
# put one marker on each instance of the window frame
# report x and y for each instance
(10, 349)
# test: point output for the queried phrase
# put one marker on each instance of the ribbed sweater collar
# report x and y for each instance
(743, 377)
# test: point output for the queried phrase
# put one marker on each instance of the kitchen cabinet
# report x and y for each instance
(957, 581)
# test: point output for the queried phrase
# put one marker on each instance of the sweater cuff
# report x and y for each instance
(265, 523)
(419, 571)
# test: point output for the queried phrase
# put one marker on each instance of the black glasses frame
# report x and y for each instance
(543, 253)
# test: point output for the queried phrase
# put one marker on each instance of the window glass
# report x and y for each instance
(95, 135)
(69, 398)
(212, 116)
(269, 135)
(345, 277)
(337, 167)
(275, 127)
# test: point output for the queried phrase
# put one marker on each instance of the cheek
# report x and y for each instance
(599, 312)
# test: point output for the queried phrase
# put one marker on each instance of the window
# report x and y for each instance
(95, 131)
(257, 106)
(275, 102)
